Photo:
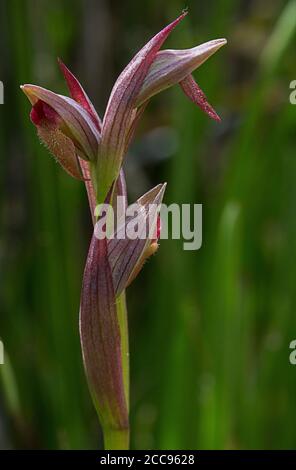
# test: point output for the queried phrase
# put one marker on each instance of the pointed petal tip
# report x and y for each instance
(159, 190)
(160, 195)
(213, 45)
(28, 90)
(197, 96)
(184, 13)
(207, 49)
(220, 42)
(180, 17)
(24, 88)
(78, 94)
(216, 117)
(160, 186)
(174, 23)
(64, 69)
(154, 196)
(157, 193)
(163, 188)
(62, 66)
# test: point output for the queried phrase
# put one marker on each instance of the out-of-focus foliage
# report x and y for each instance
(209, 330)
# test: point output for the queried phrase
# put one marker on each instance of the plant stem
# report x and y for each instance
(116, 439)
(123, 326)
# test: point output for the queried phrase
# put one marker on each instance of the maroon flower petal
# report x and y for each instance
(78, 94)
(78, 124)
(47, 123)
(195, 94)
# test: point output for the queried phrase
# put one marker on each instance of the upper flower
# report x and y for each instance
(72, 129)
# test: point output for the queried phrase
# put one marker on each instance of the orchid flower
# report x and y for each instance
(93, 150)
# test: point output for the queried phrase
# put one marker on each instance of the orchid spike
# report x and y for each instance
(93, 150)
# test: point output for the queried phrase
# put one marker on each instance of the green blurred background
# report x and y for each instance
(209, 329)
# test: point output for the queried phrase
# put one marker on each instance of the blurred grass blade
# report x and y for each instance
(281, 37)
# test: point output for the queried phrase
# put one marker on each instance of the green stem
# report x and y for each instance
(115, 439)
(118, 439)
(123, 326)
